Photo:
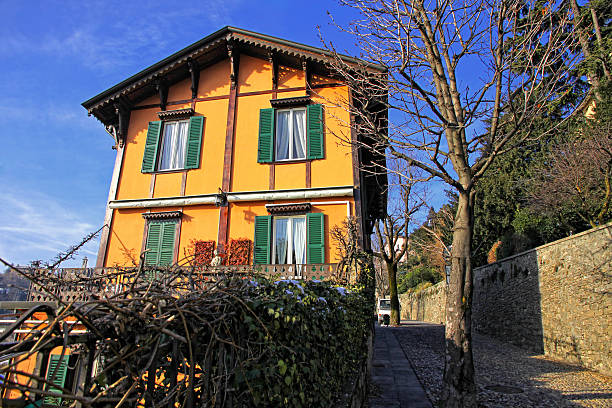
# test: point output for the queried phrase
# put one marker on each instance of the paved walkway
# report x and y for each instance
(394, 384)
(506, 376)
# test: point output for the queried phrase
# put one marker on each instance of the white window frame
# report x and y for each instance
(161, 146)
(291, 130)
(289, 234)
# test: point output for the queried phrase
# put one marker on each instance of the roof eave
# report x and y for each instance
(92, 102)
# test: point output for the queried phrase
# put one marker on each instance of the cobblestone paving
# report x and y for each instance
(544, 383)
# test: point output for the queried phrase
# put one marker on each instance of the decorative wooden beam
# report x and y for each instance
(194, 71)
(226, 184)
(363, 239)
(161, 86)
(272, 59)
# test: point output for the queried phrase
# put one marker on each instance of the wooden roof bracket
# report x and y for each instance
(234, 58)
(194, 71)
(306, 75)
(274, 63)
(120, 130)
(161, 86)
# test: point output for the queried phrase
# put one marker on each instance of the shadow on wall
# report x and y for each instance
(555, 299)
(507, 301)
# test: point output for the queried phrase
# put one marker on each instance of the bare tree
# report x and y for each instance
(346, 238)
(466, 81)
(578, 174)
(392, 236)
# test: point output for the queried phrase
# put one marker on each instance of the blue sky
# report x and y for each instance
(56, 161)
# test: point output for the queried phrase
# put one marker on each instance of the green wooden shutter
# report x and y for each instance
(263, 236)
(316, 238)
(150, 152)
(153, 243)
(166, 249)
(56, 375)
(194, 142)
(265, 146)
(314, 125)
(160, 243)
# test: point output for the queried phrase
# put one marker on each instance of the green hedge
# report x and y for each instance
(239, 342)
(315, 341)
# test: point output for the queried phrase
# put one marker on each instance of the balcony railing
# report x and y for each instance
(81, 284)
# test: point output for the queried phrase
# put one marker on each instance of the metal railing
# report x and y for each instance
(81, 284)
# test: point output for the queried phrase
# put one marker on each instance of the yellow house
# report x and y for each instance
(240, 142)
(235, 138)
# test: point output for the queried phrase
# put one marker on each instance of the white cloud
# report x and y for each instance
(73, 115)
(36, 226)
(104, 46)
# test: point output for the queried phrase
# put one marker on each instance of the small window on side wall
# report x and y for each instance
(160, 242)
(173, 145)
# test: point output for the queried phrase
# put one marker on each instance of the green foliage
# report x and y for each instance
(247, 343)
(408, 279)
(313, 339)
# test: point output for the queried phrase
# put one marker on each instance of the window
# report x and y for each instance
(160, 242)
(290, 239)
(290, 134)
(56, 378)
(173, 145)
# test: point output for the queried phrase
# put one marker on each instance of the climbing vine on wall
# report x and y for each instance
(239, 252)
(202, 252)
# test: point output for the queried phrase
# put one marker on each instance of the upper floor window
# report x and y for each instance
(290, 134)
(173, 145)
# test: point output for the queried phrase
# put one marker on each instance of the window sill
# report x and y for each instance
(291, 161)
(169, 171)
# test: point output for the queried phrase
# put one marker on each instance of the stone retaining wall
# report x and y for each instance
(428, 305)
(555, 299)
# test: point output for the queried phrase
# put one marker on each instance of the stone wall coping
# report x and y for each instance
(580, 234)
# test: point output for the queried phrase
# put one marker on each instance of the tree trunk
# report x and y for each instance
(395, 312)
(459, 385)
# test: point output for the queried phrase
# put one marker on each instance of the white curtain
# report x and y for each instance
(280, 246)
(299, 134)
(173, 146)
(299, 240)
(282, 135)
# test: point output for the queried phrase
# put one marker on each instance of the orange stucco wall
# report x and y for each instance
(125, 240)
(201, 222)
(242, 219)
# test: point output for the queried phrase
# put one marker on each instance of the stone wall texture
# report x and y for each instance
(427, 305)
(555, 299)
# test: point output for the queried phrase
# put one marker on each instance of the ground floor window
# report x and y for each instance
(295, 239)
(160, 242)
(289, 242)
